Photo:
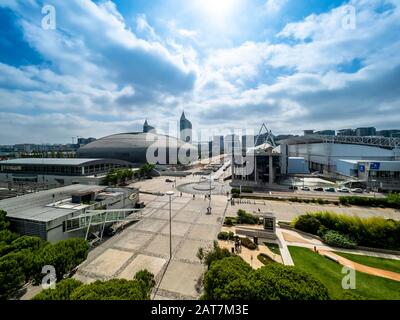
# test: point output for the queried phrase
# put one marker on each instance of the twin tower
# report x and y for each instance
(185, 128)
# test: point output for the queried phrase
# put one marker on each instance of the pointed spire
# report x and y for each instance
(183, 115)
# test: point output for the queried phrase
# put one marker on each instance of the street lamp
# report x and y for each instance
(170, 194)
(209, 204)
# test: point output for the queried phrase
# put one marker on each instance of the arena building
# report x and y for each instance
(140, 147)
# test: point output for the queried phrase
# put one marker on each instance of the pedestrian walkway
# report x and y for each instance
(360, 267)
(285, 254)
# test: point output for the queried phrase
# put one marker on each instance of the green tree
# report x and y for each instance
(11, 277)
(64, 255)
(4, 223)
(115, 289)
(233, 279)
(62, 291)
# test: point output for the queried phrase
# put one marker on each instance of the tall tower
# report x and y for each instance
(147, 127)
(185, 128)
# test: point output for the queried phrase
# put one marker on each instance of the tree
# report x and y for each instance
(147, 278)
(4, 223)
(216, 254)
(233, 279)
(64, 255)
(11, 277)
(115, 289)
(278, 282)
(221, 274)
(62, 291)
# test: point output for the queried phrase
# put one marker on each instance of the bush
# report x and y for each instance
(246, 218)
(233, 279)
(225, 235)
(216, 254)
(375, 232)
(337, 239)
(246, 242)
(229, 221)
(391, 201)
(264, 259)
(307, 223)
(235, 195)
(235, 190)
(247, 189)
(147, 278)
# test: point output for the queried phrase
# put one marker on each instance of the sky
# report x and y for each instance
(109, 65)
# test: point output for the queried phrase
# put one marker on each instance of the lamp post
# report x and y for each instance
(170, 194)
(209, 203)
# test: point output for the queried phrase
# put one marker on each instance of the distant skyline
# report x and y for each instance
(109, 65)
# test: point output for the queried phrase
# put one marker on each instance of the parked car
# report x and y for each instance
(293, 188)
(357, 190)
(344, 190)
(319, 189)
(330, 189)
(168, 180)
(305, 188)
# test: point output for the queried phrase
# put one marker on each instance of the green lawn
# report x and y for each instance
(273, 247)
(329, 273)
(380, 263)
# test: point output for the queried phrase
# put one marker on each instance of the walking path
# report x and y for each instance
(311, 243)
(360, 267)
(286, 257)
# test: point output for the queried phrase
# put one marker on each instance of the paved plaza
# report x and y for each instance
(145, 245)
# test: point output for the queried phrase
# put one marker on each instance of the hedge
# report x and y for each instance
(225, 235)
(375, 232)
(246, 218)
(391, 201)
(246, 242)
(337, 239)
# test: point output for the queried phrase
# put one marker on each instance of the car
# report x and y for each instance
(318, 189)
(330, 189)
(357, 190)
(344, 190)
(305, 188)
(168, 180)
(293, 188)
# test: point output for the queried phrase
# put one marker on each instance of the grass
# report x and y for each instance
(329, 273)
(273, 247)
(265, 259)
(380, 263)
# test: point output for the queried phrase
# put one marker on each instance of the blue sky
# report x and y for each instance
(108, 65)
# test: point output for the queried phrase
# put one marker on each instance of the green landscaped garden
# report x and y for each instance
(273, 247)
(380, 263)
(329, 273)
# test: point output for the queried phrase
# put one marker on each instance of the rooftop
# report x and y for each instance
(37, 206)
(49, 161)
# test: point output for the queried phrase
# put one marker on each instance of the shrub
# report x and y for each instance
(226, 235)
(337, 239)
(264, 259)
(246, 242)
(247, 189)
(246, 218)
(235, 195)
(391, 201)
(216, 254)
(229, 221)
(307, 223)
(235, 190)
(375, 232)
(4, 222)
